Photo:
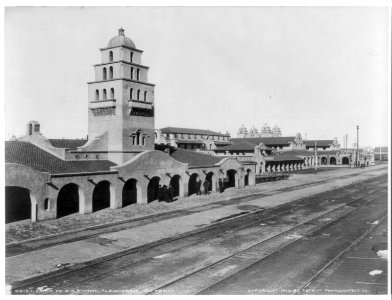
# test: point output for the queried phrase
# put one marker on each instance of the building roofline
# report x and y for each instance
(123, 46)
(121, 61)
(122, 78)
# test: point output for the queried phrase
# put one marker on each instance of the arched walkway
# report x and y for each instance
(230, 178)
(324, 161)
(101, 196)
(153, 189)
(192, 188)
(345, 161)
(129, 192)
(68, 200)
(17, 204)
(175, 183)
(209, 178)
(332, 161)
(246, 179)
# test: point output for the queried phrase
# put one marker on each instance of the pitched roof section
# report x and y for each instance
(320, 143)
(241, 146)
(287, 157)
(382, 149)
(194, 159)
(190, 131)
(30, 155)
(72, 144)
(283, 140)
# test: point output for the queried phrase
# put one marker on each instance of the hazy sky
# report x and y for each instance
(319, 71)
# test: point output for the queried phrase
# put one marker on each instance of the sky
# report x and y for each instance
(318, 71)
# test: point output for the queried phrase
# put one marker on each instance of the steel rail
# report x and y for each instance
(272, 253)
(354, 243)
(307, 202)
(22, 247)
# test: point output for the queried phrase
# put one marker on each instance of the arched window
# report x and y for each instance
(104, 74)
(131, 94)
(46, 204)
(104, 94)
(111, 73)
(138, 95)
(138, 75)
(138, 137)
(132, 73)
(131, 57)
(145, 95)
(96, 95)
(111, 56)
(112, 93)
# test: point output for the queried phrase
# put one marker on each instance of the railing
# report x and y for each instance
(271, 176)
(103, 103)
(139, 104)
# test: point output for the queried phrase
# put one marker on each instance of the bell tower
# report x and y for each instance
(121, 103)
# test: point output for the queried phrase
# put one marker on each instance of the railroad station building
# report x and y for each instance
(119, 164)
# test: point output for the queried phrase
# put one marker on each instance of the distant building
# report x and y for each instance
(191, 139)
(381, 154)
(265, 131)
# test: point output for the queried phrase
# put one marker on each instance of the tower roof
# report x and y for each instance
(121, 40)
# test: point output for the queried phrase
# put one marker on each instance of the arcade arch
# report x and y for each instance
(192, 184)
(102, 194)
(68, 199)
(153, 189)
(129, 192)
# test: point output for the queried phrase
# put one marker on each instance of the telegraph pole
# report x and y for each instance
(315, 154)
(357, 156)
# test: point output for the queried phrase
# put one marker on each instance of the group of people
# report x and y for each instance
(206, 186)
(166, 193)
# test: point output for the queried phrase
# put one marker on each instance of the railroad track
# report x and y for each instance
(337, 257)
(63, 278)
(13, 249)
(169, 286)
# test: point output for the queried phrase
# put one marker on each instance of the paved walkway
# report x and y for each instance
(25, 230)
(35, 263)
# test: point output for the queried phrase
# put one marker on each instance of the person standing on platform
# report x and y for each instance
(159, 193)
(171, 193)
(220, 185)
(206, 184)
(198, 188)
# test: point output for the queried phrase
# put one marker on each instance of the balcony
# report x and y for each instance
(139, 104)
(103, 107)
(140, 108)
(103, 104)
